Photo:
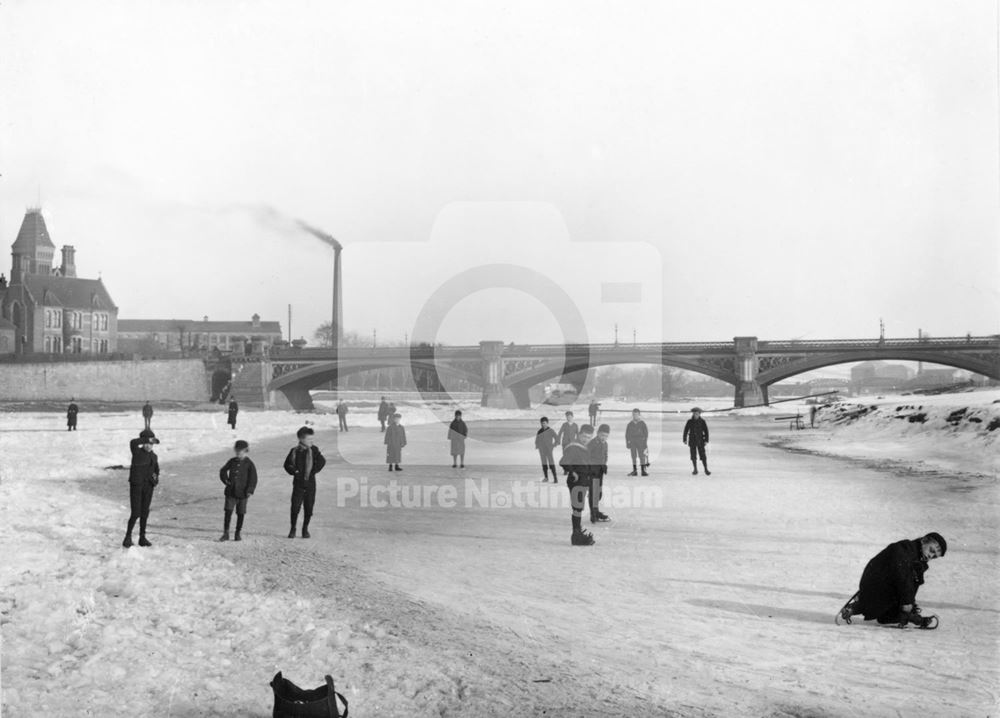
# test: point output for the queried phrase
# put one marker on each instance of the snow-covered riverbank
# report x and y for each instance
(944, 433)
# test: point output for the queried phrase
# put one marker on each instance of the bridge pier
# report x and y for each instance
(495, 394)
(748, 390)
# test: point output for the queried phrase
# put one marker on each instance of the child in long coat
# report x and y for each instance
(395, 440)
(457, 432)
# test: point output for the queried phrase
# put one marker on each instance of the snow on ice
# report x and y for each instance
(718, 603)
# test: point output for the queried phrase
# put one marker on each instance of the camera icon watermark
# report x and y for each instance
(508, 319)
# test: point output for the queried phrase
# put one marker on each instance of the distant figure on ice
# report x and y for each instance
(303, 462)
(812, 416)
(576, 461)
(143, 476)
(598, 449)
(889, 583)
(71, 411)
(342, 414)
(395, 440)
(637, 442)
(592, 411)
(696, 437)
(567, 434)
(457, 432)
(240, 478)
(147, 414)
(545, 442)
(234, 409)
(383, 413)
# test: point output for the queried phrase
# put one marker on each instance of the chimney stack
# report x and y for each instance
(68, 268)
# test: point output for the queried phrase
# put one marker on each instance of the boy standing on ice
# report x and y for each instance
(636, 438)
(143, 476)
(598, 449)
(545, 442)
(576, 461)
(889, 583)
(240, 477)
(303, 462)
(567, 433)
(147, 414)
(395, 440)
(696, 436)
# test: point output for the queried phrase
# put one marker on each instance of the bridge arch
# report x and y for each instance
(520, 382)
(299, 381)
(928, 356)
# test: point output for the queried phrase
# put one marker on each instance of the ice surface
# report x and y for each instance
(718, 602)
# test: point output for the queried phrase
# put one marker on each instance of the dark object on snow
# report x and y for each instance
(917, 418)
(290, 701)
(994, 424)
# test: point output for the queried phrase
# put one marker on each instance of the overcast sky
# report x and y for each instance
(781, 169)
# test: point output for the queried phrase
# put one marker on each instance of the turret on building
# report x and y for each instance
(49, 309)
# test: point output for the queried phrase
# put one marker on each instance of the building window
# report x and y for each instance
(77, 345)
(56, 345)
(102, 346)
(57, 319)
(48, 345)
(48, 318)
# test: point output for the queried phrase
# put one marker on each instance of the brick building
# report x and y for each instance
(149, 337)
(50, 309)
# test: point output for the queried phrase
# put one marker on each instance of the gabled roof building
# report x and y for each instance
(51, 310)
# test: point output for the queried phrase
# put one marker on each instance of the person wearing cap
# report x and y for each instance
(303, 462)
(567, 433)
(696, 437)
(576, 461)
(637, 442)
(239, 475)
(888, 589)
(545, 442)
(598, 449)
(71, 411)
(143, 476)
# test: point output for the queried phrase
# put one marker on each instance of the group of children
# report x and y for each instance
(239, 477)
(584, 461)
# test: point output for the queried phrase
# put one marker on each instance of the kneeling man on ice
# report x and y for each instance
(889, 583)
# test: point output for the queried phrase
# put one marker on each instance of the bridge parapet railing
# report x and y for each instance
(909, 343)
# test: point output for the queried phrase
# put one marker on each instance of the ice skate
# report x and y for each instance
(582, 538)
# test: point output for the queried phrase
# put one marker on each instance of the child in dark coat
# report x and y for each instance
(576, 461)
(395, 440)
(143, 476)
(303, 462)
(598, 448)
(240, 478)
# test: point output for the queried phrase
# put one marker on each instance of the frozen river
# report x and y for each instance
(704, 596)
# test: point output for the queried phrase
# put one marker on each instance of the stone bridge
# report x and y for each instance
(506, 372)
